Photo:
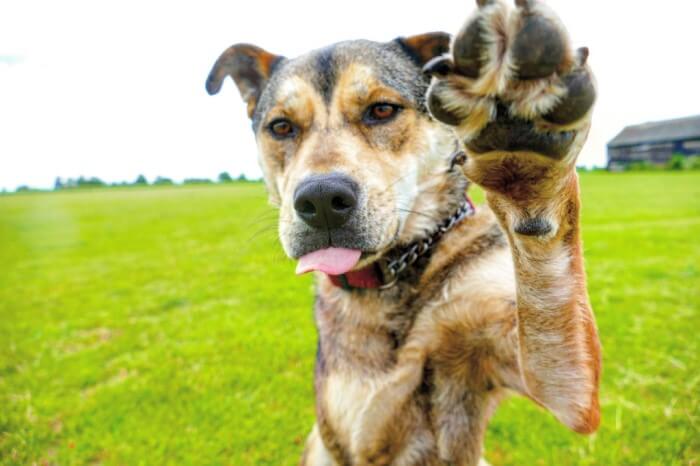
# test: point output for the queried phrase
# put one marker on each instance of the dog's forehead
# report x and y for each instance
(322, 69)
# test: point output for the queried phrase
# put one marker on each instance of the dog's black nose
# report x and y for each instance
(326, 201)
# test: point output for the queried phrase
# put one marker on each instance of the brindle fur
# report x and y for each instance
(411, 375)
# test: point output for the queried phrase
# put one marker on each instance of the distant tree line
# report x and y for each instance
(141, 180)
(94, 182)
(677, 162)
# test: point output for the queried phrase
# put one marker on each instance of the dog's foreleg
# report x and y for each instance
(384, 404)
(558, 344)
(519, 98)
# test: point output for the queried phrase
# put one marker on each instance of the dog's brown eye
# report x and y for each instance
(381, 112)
(282, 128)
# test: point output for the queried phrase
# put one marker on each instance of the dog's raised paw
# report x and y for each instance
(513, 82)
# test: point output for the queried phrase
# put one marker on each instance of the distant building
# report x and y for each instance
(655, 142)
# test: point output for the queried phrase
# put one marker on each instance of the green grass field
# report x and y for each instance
(164, 326)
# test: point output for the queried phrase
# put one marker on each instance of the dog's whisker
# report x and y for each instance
(398, 180)
(264, 230)
(263, 222)
(265, 216)
(423, 214)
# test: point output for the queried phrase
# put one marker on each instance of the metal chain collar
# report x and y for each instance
(392, 268)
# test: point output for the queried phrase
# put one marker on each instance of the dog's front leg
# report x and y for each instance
(558, 343)
(519, 99)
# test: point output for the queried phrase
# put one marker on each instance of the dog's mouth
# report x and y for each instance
(331, 261)
(339, 260)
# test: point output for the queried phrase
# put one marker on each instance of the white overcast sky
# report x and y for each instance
(115, 89)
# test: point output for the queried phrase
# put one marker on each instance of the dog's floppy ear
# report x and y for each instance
(424, 47)
(249, 66)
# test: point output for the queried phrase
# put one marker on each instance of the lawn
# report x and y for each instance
(148, 326)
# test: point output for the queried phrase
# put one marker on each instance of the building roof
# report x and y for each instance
(658, 131)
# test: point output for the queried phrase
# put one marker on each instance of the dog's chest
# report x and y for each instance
(343, 398)
(359, 334)
(357, 349)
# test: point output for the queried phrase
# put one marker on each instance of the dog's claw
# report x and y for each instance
(438, 66)
(582, 53)
(459, 157)
(526, 5)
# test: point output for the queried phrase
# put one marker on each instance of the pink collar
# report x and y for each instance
(387, 274)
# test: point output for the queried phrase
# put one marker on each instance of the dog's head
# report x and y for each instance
(347, 148)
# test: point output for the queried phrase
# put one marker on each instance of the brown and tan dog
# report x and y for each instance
(427, 315)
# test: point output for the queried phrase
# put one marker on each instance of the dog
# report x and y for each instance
(429, 311)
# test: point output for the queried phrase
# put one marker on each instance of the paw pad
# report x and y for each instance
(579, 99)
(512, 134)
(536, 226)
(437, 105)
(538, 49)
(467, 50)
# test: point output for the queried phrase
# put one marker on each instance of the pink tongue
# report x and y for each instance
(333, 261)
